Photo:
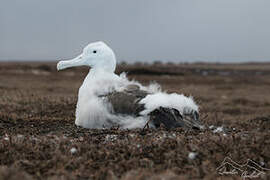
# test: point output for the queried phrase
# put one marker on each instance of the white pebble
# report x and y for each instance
(73, 150)
(218, 129)
(192, 155)
(111, 137)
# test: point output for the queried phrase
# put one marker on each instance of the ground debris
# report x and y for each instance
(39, 140)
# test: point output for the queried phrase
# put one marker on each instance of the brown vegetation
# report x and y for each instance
(38, 138)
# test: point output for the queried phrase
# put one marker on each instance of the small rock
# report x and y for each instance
(218, 129)
(73, 150)
(192, 155)
(111, 137)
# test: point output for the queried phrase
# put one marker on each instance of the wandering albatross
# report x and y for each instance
(106, 99)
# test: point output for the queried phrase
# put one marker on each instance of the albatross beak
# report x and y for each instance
(78, 61)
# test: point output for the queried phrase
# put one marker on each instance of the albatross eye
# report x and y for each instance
(94, 51)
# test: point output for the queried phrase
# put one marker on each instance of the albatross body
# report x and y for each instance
(106, 99)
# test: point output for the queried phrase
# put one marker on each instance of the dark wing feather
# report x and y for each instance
(171, 118)
(127, 103)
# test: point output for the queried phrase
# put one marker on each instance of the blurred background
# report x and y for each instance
(146, 31)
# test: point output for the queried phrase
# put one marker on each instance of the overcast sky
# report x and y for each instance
(137, 30)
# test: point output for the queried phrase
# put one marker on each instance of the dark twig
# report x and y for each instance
(147, 124)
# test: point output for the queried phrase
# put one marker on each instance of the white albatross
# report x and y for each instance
(106, 99)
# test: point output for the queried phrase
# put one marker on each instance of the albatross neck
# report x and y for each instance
(96, 75)
(98, 70)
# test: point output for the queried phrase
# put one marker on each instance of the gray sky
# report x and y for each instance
(137, 30)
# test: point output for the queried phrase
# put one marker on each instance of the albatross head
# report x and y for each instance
(96, 55)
